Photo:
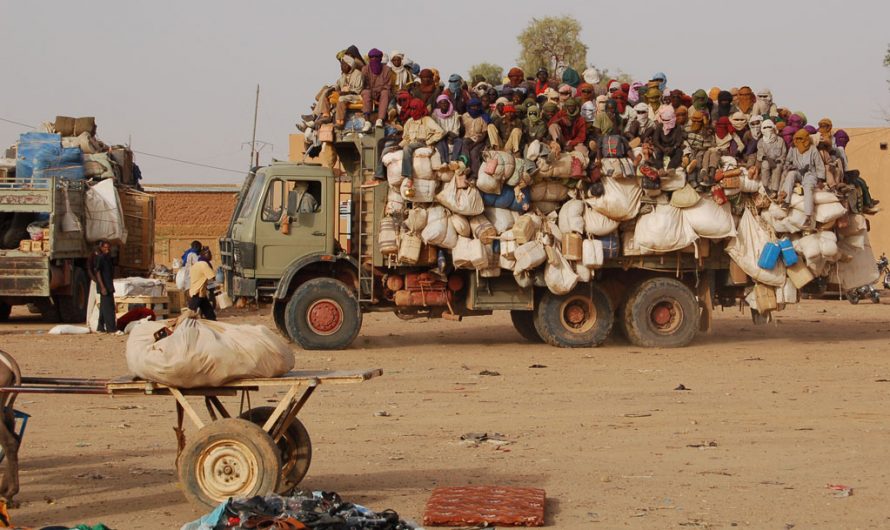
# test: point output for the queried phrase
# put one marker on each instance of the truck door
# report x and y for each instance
(293, 223)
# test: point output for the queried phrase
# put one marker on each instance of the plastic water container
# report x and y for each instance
(789, 255)
(769, 256)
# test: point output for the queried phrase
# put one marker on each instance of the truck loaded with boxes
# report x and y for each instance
(61, 191)
(567, 255)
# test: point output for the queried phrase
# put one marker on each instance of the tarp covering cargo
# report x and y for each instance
(206, 353)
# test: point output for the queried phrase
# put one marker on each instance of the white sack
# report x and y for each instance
(663, 230)
(745, 250)
(206, 353)
(710, 220)
(560, 276)
(393, 163)
(104, 215)
(597, 224)
(621, 200)
(464, 202)
(571, 216)
(501, 218)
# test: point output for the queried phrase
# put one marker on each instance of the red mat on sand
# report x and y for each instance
(492, 505)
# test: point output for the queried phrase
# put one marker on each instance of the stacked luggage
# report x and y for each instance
(530, 218)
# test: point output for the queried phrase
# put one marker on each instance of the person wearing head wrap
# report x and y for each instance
(552, 96)
(667, 140)
(347, 89)
(634, 94)
(676, 98)
(724, 107)
(457, 93)
(800, 116)
(641, 127)
(662, 81)
(853, 177)
(489, 100)
(713, 93)
(701, 150)
(520, 101)
(543, 81)
(803, 165)
(427, 90)
(591, 76)
(588, 111)
(728, 141)
(448, 119)
(377, 81)
(825, 127)
(746, 100)
(613, 150)
(601, 103)
(565, 92)
(612, 86)
(653, 99)
(505, 132)
(516, 77)
(586, 92)
(402, 100)
(624, 110)
(402, 75)
(480, 89)
(764, 104)
(536, 122)
(771, 152)
(570, 77)
(569, 130)
(358, 60)
(701, 102)
(475, 122)
(419, 131)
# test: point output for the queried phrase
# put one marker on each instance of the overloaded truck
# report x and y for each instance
(322, 268)
(58, 193)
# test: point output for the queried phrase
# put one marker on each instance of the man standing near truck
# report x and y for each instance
(202, 273)
(104, 273)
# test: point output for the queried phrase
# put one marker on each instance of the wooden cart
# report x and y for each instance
(260, 451)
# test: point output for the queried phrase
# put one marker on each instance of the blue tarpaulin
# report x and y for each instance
(29, 145)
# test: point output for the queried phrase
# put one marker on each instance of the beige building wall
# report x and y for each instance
(869, 152)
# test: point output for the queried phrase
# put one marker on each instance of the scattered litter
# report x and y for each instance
(753, 359)
(68, 329)
(92, 476)
(82, 444)
(474, 439)
(681, 386)
(703, 445)
(489, 372)
(49, 500)
(839, 490)
(382, 414)
(882, 380)
(637, 415)
(538, 366)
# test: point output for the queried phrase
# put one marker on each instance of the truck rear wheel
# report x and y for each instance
(524, 323)
(5, 311)
(73, 307)
(661, 313)
(580, 319)
(323, 314)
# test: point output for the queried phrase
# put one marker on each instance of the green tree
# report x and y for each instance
(548, 41)
(492, 73)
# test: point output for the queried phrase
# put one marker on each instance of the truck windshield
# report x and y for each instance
(253, 196)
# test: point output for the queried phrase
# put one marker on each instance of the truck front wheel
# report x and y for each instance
(661, 313)
(323, 314)
(580, 319)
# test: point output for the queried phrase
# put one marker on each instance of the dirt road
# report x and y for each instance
(772, 415)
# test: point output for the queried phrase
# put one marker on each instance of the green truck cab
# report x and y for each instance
(320, 278)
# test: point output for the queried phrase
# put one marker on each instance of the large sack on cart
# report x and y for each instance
(206, 353)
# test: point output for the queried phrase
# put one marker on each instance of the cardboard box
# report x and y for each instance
(43, 244)
(25, 245)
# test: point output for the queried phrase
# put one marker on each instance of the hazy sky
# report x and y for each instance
(178, 77)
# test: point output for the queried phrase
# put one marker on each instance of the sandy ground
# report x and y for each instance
(772, 415)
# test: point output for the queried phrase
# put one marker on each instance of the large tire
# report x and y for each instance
(228, 458)
(73, 307)
(661, 313)
(323, 314)
(524, 323)
(5, 311)
(580, 319)
(295, 448)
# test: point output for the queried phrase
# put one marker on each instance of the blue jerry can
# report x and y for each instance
(789, 255)
(769, 256)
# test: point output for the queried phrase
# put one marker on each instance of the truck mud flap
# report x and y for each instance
(24, 275)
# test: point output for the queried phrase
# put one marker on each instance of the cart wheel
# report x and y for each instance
(295, 448)
(228, 458)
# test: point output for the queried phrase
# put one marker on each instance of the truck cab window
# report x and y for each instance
(293, 196)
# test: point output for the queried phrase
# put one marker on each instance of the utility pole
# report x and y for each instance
(254, 154)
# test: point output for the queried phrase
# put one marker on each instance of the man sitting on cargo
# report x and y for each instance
(803, 164)
(420, 131)
(475, 123)
(505, 132)
(377, 80)
(202, 273)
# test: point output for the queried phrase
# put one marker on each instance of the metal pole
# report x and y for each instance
(254, 155)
